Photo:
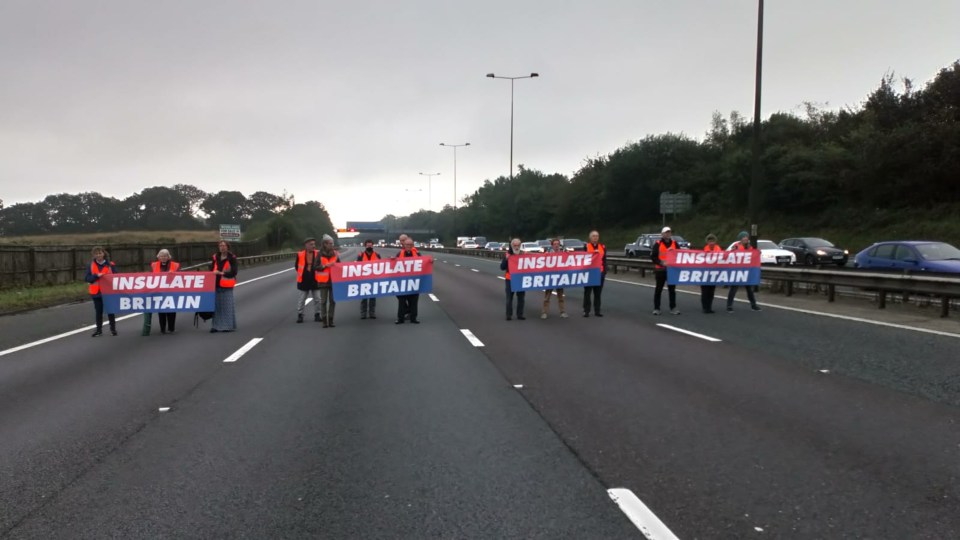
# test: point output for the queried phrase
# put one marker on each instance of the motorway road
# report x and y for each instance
(373, 430)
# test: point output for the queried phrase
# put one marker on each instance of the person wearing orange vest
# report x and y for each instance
(99, 267)
(555, 247)
(368, 305)
(514, 249)
(408, 304)
(707, 291)
(742, 245)
(659, 255)
(594, 246)
(328, 257)
(224, 266)
(164, 263)
(307, 278)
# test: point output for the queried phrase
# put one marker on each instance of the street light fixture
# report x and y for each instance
(511, 79)
(429, 188)
(454, 146)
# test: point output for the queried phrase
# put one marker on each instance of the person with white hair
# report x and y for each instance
(328, 257)
(168, 320)
(513, 250)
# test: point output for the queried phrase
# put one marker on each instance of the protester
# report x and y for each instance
(742, 245)
(99, 267)
(707, 291)
(368, 305)
(514, 249)
(555, 247)
(307, 278)
(168, 321)
(328, 257)
(408, 304)
(225, 267)
(659, 255)
(594, 246)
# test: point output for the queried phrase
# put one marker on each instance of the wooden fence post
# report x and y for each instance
(32, 261)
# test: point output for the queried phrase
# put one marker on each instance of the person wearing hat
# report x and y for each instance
(307, 283)
(659, 255)
(707, 291)
(743, 244)
(328, 257)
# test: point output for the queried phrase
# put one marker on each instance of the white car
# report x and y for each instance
(436, 245)
(771, 253)
(470, 245)
(531, 247)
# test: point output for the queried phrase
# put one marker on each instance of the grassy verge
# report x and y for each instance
(119, 237)
(27, 298)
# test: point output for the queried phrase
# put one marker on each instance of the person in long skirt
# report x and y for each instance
(225, 267)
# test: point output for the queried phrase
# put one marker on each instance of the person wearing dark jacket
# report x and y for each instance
(408, 304)
(708, 291)
(594, 246)
(658, 253)
(368, 305)
(305, 264)
(743, 244)
(99, 267)
(328, 257)
(514, 249)
(224, 265)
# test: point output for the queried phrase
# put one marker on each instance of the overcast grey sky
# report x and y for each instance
(345, 102)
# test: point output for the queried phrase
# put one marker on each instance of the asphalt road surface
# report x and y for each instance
(376, 430)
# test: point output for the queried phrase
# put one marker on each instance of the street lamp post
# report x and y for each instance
(454, 146)
(511, 79)
(430, 188)
(755, 178)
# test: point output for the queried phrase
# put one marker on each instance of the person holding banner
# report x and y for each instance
(408, 304)
(594, 246)
(514, 249)
(742, 245)
(164, 263)
(225, 266)
(659, 254)
(328, 257)
(368, 305)
(555, 247)
(707, 291)
(307, 278)
(100, 266)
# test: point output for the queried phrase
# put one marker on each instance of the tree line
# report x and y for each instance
(898, 151)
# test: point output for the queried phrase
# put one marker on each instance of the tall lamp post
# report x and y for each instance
(755, 177)
(429, 188)
(454, 146)
(511, 79)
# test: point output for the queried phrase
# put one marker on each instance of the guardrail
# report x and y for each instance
(252, 259)
(943, 287)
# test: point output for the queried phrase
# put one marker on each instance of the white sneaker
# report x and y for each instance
(563, 315)
(543, 315)
(656, 312)
(674, 311)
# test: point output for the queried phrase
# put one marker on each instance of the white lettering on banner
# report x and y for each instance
(720, 258)
(552, 281)
(160, 303)
(382, 268)
(154, 281)
(554, 261)
(714, 276)
(396, 286)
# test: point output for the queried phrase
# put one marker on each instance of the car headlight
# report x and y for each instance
(821, 252)
(846, 252)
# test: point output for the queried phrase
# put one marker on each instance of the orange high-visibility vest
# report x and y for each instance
(716, 247)
(323, 276)
(374, 256)
(402, 255)
(155, 266)
(741, 247)
(94, 288)
(225, 282)
(302, 262)
(601, 249)
(673, 247)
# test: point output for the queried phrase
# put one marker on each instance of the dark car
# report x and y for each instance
(643, 245)
(572, 244)
(681, 242)
(815, 251)
(920, 256)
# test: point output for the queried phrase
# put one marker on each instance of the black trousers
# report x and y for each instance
(661, 277)
(521, 299)
(733, 293)
(408, 303)
(368, 305)
(706, 296)
(597, 292)
(98, 308)
(168, 321)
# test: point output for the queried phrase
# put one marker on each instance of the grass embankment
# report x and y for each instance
(27, 298)
(119, 237)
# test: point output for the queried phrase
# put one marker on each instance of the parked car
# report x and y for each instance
(470, 244)
(643, 245)
(681, 242)
(572, 244)
(771, 253)
(923, 256)
(545, 244)
(814, 251)
(531, 247)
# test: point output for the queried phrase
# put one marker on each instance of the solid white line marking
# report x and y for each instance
(457, 265)
(818, 313)
(471, 338)
(641, 516)
(501, 277)
(687, 332)
(263, 277)
(164, 409)
(518, 386)
(434, 298)
(243, 350)
(474, 270)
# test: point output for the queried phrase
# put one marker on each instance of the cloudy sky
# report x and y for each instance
(345, 102)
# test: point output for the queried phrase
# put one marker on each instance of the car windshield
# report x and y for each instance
(493, 244)
(766, 244)
(572, 243)
(938, 251)
(817, 242)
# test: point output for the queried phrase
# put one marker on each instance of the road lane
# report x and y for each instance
(720, 438)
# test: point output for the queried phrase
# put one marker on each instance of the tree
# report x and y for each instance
(226, 207)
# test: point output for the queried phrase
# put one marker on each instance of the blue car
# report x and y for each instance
(938, 257)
